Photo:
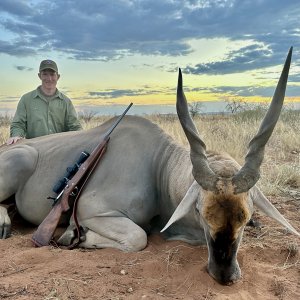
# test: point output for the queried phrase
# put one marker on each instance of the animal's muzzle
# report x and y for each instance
(224, 275)
(222, 262)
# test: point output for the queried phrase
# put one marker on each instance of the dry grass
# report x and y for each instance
(278, 288)
(281, 167)
(293, 250)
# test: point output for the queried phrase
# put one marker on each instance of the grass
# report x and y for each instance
(279, 289)
(293, 250)
(232, 133)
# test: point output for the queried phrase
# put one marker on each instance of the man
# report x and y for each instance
(45, 110)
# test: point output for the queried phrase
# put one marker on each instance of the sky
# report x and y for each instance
(121, 51)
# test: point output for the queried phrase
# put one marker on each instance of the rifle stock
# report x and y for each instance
(46, 229)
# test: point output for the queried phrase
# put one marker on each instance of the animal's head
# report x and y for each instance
(224, 195)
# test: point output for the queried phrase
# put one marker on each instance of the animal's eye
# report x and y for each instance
(241, 216)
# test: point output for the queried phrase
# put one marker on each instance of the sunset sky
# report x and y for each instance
(121, 51)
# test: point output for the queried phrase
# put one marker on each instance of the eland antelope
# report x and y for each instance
(203, 197)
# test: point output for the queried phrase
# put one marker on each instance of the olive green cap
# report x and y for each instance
(48, 64)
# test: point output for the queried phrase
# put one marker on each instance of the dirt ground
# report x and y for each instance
(269, 258)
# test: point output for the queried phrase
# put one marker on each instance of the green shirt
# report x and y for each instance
(38, 115)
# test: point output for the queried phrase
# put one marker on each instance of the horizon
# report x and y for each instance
(206, 107)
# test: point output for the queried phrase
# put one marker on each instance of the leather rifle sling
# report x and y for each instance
(79, 233)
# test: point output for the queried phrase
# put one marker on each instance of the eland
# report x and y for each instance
(146, 180)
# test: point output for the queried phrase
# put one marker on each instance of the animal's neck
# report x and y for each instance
(176, 176)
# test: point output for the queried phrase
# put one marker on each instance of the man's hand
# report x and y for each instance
(13, 140)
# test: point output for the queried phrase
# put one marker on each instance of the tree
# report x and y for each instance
(195, 108)
(87, 115)
(235, 106)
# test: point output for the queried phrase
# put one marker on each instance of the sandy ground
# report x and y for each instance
(269, 258)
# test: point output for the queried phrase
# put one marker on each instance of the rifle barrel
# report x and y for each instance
(118, 120)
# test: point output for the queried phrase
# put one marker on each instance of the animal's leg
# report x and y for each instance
(17, 164)
(109, 232)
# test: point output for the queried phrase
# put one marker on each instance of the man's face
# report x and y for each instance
(49, 78)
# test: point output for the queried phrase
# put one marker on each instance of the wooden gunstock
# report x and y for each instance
(46, 229)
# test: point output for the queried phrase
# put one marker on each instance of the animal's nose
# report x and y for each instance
(229, 279)
(225, 276)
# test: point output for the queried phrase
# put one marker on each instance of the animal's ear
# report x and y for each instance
(185, 204)
(269, 209)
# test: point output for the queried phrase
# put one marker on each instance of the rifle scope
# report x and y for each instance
(71, 171)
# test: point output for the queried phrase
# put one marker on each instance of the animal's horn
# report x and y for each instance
(202, 172)
(249, 173)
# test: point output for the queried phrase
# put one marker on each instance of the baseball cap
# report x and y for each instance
(48, 64)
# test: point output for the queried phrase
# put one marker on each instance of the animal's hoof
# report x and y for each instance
(67, 238)
(70, 235)
(5, 223)
(83, 231)
(5, 231)
(254, 223)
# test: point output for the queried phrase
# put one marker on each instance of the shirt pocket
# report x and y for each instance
(57, 115)
(38, 111)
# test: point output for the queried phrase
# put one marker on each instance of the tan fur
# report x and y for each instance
(224, 211)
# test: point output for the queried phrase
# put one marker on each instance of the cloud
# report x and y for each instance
(23, 68)
(8, 99)
(109, 30)
(294, 78)
(16, 48)
(116, 93)
(248, 91)
(15, 7)
(246, 58)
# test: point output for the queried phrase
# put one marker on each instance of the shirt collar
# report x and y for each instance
(37, 93)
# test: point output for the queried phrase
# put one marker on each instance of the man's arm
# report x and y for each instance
(72, 121)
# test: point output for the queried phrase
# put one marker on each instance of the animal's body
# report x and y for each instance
(207, 197)
(143, 173)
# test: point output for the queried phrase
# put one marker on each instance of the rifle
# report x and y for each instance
(73, 187)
